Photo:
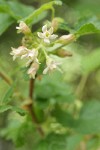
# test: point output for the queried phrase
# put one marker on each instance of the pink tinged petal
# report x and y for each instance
(50, 30)
(54, 36)
(28, 63)
(45, 70)
(44, 28)
(47, 41)
(23, 56)
(40, 35)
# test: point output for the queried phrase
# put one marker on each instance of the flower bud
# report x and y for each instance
(33, 70)
(23, 28)
(55, 23)
(63, 53)
(67, 38)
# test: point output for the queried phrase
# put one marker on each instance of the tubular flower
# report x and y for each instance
(51, 65)
(19, 52)
(31, 54)
(23, 28)
(33, 70)
(47, 35)
(32, 57)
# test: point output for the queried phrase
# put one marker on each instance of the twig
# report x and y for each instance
(81, 86)
(5, 78)
(30, 107)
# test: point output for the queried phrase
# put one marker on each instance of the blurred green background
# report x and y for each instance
(81, 78)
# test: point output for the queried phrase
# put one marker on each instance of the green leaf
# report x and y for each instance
(93, 144)
(31, 18)
(87, 29)
(89, 119)
(55, 88)
(7, 97)
(20, 111)
(63, 117)
(20, 10)
(5, 22)
(4, 108)
(73, 142)
(53, 141)
(15, 9)
(91, 61)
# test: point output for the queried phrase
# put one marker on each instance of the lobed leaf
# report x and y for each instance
(87, 29)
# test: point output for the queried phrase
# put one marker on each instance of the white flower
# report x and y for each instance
(33, 70)
(23, 28)
(31, 54)
(18, 52)
(51, 65)
(47, 35)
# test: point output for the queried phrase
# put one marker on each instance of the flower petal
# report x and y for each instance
(50, 30)
(40, 35)
(44, 28)
(47, 41)
(45, 70)
(52, 37)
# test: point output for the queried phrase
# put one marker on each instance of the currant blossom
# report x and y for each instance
(23, 28)
(31, 54)
(32, 57)
(33, 70)
(47, 35)
(51, 65)
(18, 52)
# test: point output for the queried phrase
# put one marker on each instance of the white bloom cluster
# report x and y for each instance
(31, 55)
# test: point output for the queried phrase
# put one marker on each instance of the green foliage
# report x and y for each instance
(63, 118)
(31, 18)
(7, 97)
(89, 122)
(54, 142)
(91, 61)
(17, 130)
(4, 108)
(5, 22)
(87, 29)
(55, 92)
(73, 142)
(19, 9)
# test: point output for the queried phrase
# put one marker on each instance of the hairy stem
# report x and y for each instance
(31, 107)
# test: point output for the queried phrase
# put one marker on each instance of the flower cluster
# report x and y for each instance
(32, 55)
